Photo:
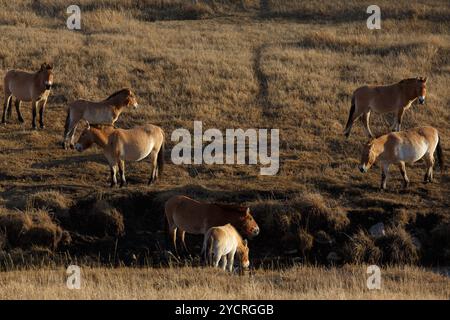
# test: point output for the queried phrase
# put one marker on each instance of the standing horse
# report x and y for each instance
(400, 148)
(120, 145)
(221, 244)
(103, 112)
(384, 99)
(25, 86)
(184, 214)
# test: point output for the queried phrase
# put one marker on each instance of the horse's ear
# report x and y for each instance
(43, 66)
(245, 242)
(425, 79)
(49, 66)
(247, 211)
(88, 126)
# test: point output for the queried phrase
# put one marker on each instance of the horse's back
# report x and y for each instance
(409, 146)
(189, 214)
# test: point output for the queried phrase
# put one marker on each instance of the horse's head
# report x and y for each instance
(243, 254)
(421, 89)
(368, 157)
(124, 98)
(247, 224)
(46, 75)
(86, 139)
(130, 100)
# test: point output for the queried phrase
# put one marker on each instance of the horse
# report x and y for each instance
(403, 147)
(103, 112)
(25, 86)
(120, 145)
(395, 98)
(184, 214)
(221, 244)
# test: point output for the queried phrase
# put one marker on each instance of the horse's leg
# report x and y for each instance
(224, 262)
(399, 119)
(365, 120)
(19, 115)
(231, 260)
(41, 113)
(216, 259)
(402, 167)
(8, 98)
(384, 175)
(429, 161)
(182, 237)
(9, 111)
(173, 235)
(123, 181)
(113, 175)
(154, 160)
(34, 111)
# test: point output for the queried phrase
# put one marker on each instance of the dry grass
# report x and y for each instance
(290, 65)
(169, 283)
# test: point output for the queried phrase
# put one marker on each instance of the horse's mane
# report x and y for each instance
(412, 79)
(408, 80)
(230, 207)
(117, 93)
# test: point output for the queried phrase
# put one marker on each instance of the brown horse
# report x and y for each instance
(25, 86)
(120, 145)
(184, 214)
(403, 147)
(104, 112)
(385, 99)
(221, 244)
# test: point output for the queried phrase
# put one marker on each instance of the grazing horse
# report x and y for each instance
(103, 112)
(384, 99)
(403, 147)
(120, 145)
(221, 244)
(25, 86)
(184, 214)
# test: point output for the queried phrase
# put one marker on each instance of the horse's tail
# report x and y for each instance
(161, 155)
(66, 125)
(210, 250)
(350, 117)
(204, 251)
(440, 155)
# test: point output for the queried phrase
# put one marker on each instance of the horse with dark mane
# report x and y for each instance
(105, 112)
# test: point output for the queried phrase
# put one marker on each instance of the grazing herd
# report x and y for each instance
(221, 224)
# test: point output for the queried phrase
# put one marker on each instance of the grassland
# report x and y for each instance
(289, 65)
(189, 283)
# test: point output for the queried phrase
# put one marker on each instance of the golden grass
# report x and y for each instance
(348, 282)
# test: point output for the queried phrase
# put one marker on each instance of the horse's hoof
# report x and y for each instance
(42, 126)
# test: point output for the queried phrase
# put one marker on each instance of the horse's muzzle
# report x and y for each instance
(421, 100)
(363, 169)
(78, 147)
(255, 231)
(48, 86)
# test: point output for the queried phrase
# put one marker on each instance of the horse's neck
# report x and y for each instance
(101, 137)
(117, 102)
(37, 77)
(409, 92)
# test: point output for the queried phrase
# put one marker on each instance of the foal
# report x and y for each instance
(221, 244)
(120, 145)
(401, 147)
